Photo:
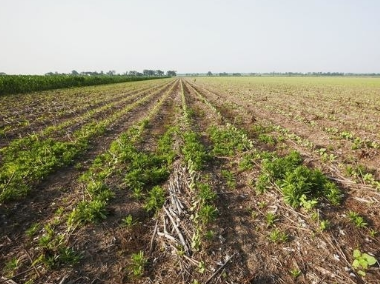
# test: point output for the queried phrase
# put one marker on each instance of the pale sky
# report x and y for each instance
(39, 36)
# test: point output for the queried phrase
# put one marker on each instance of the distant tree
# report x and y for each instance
(160, 73)
(171, 73)
(236, 74)
(111, 72)
(209, 73)
(2, 73)
(221, 74)
(74, 72)
(132, 73)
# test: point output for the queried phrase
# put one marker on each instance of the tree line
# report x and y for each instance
(133, 73)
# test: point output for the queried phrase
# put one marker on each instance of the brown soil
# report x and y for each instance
(239, 250)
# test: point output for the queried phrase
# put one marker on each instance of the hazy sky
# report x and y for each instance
(38, 36)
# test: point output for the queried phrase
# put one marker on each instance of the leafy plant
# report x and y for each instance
(128, 221)
(207, 213)
(270, 219)
(229, 140)
(300, 185)
(201, 267)
(33, 229)
(307, 204)
(295, 272)
(11, 266)
(362, 261)
(139, 262)
(230, 179)
(324, 225)
(194, 151)
(205, 192)
(278, 236)
(88, 212)
(155, 199)
(357, 220)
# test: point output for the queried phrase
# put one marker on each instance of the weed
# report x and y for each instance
(362, 261)
(247, 162)
(201, 267)
(278, 236)
(373, 233)
(88, 212)
(209, 235)
(138, 264)
(128, 221)
(207, 213)
(11, 266)
(205, 192)
(307, 204)
(155, 199)
(270, 219)
(230, 179)
(295, 272)
(33, 229)
(324, 225)
(300, 185)
(357, 220)
(229, 140)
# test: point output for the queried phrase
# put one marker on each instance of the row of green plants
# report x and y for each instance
(300, 187)
(77, 108)
(142, 173)
(197, 157)
(30, 160)
(14, 84)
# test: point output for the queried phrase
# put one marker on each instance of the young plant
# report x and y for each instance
(270, 218)
(155, 199)
(278, 236)
(362, 261)
(128, 221)
(138, 264)
(230, 179)
(295, 272)
(324, 225)
(207, 213)
(357, 220)
(11, 266)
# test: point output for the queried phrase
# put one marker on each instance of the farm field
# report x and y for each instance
(192, 180)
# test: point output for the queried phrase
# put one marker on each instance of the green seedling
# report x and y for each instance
(278, 236)
(362, 261)
(324, 225)
(357, 220)
(138, 264)
(271, 218)
(295, 272)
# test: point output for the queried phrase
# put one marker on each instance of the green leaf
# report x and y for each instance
(357, 253)
(356, 264)
(369, 258)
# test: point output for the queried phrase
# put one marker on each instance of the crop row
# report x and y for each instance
(14, 84)
(141, 173)
(28, 161)
(53, 108)
(302, 188)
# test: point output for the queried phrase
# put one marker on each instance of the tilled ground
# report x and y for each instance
(236, 247)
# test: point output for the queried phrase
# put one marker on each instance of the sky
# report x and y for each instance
(40, 36)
